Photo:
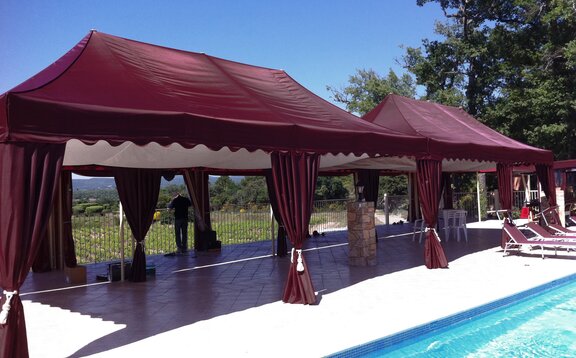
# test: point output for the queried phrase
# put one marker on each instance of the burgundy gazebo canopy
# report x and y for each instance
(456, 138)
(453, 133)
(457, 142)
(139, 108)
(463, 143)
(117, 90)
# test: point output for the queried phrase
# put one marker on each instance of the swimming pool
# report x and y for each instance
(534, 323)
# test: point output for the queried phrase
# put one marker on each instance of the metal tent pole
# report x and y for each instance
(272, 231)
(478, 196)
(121, 212)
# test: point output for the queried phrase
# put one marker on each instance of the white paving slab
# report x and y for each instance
(351, 316)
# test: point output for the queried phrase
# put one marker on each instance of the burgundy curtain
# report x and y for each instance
(197, 183)
(448, 192)
(429, 173)
(281, 245)
(29, 176)
(61, 219)
(294, 175)
(42, 261)
(138, 191)
(68, 239)
(504, 172)
(370, 178)
(414, 205)
(546, 177)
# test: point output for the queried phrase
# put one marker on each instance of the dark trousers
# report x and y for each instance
(181, 231)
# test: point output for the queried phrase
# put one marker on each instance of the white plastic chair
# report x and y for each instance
(418, 225)
(460, 224)
(448, 216)
(455, 220)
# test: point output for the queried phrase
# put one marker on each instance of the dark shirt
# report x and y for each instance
(180, 205)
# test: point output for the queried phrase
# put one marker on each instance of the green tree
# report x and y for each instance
(330, 187)
(393, 185)
(252, 190)
(511, 64)
(107, 198)
(461, 70)
(366, 89)
(538, 103)
(223, 192)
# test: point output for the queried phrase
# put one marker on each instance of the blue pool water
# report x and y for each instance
(540, 323)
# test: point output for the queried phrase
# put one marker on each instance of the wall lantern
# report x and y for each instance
(360, 191)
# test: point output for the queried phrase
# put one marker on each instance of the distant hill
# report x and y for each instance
(93, 184)
(108, 183)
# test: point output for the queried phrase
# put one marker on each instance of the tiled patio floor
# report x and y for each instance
(204, 289)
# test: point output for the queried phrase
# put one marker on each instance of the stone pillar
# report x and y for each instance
(361, 234)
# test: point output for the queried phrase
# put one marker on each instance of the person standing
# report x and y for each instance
(180, 205)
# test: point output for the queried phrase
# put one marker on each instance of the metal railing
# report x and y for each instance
(396, 206)
(392, 209)
(238, 224)
(468, 202)
(519, 199)
(329, 215)
(97, 237)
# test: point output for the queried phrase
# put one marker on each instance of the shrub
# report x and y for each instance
(78, 209)
(337, 206)
(95, 209)
(466, 201)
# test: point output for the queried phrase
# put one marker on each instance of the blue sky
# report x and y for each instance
(318, 42)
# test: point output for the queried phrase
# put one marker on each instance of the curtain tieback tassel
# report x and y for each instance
(434, 231)
(6, 306)
(300, 263)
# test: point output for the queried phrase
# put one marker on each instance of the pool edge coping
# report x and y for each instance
(442, 323)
